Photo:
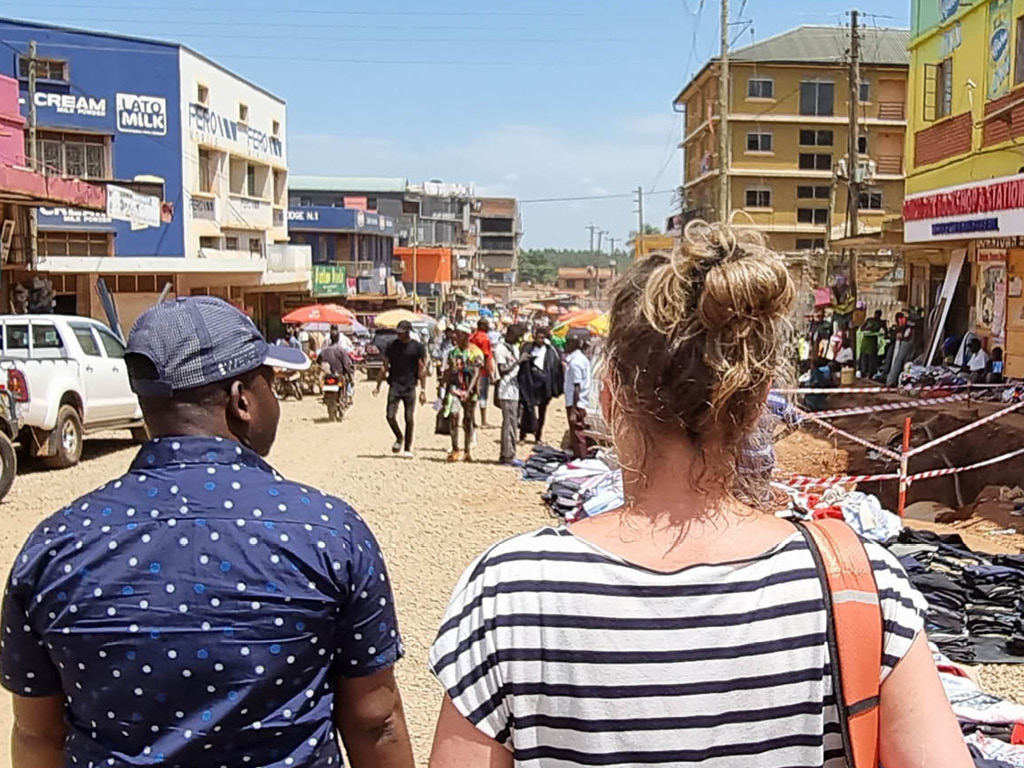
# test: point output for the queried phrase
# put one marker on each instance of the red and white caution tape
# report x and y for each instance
(957, 470)
(850, 436)
(799, 481)
(966, 428)
(890, 406)
(886, 390)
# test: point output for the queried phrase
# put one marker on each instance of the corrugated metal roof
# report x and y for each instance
(879, 45)
(355, 184)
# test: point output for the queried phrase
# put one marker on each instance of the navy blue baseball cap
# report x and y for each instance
(199, 340)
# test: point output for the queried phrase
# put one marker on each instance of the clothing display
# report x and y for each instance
(584, 488)
(974, 603)
(543, 462)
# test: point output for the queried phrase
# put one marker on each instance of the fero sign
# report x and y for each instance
(141, 114)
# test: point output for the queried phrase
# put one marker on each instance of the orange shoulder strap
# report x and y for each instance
(854, 619)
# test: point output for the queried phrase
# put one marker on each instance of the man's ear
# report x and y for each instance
(240, 403)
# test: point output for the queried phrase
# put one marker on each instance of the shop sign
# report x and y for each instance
(69, 104)
(142, 114)
(982, 208)
(948, 8)
(203, 208)
(999, 48)
(71, 216)
(125, 205)
(330, 280)
(1000, 243)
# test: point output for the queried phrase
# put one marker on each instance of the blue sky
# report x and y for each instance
(526, 98)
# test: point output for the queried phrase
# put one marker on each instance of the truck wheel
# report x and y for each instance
(69, 439)
(140, 435)
(9, 462)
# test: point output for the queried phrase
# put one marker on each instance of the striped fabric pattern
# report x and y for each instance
(570, 656)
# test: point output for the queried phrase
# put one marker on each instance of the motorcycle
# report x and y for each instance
(337, 396)
(288, 384)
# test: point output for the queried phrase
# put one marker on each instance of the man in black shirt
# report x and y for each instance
(405, 362)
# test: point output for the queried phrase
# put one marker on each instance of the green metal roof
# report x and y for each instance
(299, 183)
(878, 45)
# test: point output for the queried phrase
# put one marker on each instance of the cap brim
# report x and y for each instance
(289, 358)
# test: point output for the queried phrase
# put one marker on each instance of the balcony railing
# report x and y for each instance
(889, 165)
(892, 110)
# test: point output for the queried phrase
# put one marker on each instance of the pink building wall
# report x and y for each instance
(12, 124)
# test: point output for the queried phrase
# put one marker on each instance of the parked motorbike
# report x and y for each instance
(288, 384)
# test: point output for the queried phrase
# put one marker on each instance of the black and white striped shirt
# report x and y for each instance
(570, 656)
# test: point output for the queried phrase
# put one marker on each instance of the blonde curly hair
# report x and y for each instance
(696, 339)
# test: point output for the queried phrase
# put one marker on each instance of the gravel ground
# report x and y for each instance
(432, 519)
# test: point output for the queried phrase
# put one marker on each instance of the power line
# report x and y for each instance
(595, 197)
(326, 12)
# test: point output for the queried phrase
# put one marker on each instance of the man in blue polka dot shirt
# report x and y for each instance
(202, 610)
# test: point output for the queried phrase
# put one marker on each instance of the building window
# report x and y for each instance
(275, 129)
(205, 171)
(760, 88)
(305, 200)
(944, 79)
(74, 243)
(230, 243)
(1018, 72)
(813, 193)
(46, 69)
(865, 91)
(810, 161)
(68, 154)
(810, 244)
(250, 181)
(213, 243)
(203, 95)
(255, 246)
(862, 144)
(759, 197)
(243, 113)
(871, 200)
(759, 142)
(812, 215)
(280, 188)
(817, 99)
(816, 138)
(371, 203)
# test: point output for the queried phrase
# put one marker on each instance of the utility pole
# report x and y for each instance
(600, 236)
(415, 262)
(854, 164)
(639, 221)
(33, 160)
(723, 119)
(593, 229)
(611, 245)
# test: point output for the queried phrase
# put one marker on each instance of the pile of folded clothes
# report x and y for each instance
(584, 488)
(941, 376)
(974, 600)
(862, 511)
(543, 463)
(993, 727)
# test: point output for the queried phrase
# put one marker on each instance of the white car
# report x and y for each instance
(69, 377)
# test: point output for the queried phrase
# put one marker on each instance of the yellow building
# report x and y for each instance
(788, 124)
(965, 186)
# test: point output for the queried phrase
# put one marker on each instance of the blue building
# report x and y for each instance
(162, 120)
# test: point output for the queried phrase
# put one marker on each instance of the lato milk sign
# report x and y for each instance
(141, 114)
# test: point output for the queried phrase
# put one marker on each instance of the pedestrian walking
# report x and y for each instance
(462, 378)
(506, 363)
(540, 382)
(201, 610)
(481, 339)
(577, 394)
(686, 627)
(405, 363)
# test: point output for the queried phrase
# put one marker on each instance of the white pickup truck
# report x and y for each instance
(73, 380)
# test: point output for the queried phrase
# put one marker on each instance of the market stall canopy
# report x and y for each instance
(533, 308)
(393, 317)
(578, 319)
(332, 314)
(600, 325)
(425, 319)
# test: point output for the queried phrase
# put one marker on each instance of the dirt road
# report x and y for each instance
(431, 518)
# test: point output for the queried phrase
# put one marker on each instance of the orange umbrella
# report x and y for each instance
(579, 319)
(332, 314)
